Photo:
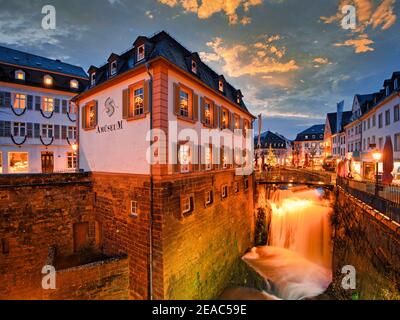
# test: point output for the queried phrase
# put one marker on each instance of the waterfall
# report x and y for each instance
(297, 262)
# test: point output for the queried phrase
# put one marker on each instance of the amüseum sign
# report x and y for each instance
(110, 127)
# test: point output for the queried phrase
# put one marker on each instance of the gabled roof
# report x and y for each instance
(316, 130)
(163, 45)
(268, 138)
(332, 118)
(28, 60)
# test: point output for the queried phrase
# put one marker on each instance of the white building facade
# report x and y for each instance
(38, 130)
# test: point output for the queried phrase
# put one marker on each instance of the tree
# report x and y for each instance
(271, 158)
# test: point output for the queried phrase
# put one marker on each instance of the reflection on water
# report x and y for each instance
(297, 262)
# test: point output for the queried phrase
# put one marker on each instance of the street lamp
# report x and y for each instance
(377, 156)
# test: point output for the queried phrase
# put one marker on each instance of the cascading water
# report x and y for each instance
(297, 261)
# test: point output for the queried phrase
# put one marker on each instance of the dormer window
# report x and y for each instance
(396, 84)
(221, 86)
(387, 90)
(74, 84)
(113, 68)
(140, 53)
(48, 80)
(93, 79)
(19, 75)
(194, 66)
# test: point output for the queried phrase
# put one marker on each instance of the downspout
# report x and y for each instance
(150, 267)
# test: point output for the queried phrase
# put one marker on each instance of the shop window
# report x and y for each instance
(18, 162)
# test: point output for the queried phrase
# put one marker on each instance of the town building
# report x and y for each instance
(164, 196)
(37, 121)
(380, 121)
(280, 146)
(308, 147)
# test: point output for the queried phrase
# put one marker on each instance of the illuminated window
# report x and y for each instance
(207, 113)
(74, 84)
(208, 157)
(194, 66)
(209, 197)
(48, 104)
(140, 53)
(71, 160)
(19, 75)
(184, 158)
(73, 109)
(19, 129)
(47, 131)
(93, 79)
(220, 86)
(187, 204)
(48, 80)
(20, 101)
(113, 68)
(224, 120)
(184, 103)
(138, 98)
(18, 162)
(134, 208)
(237, 123)
(92, 116)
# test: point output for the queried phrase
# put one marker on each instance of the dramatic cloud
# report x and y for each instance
(369, 15)
(361, 45)
(207, 8)
(321, 60)
(239, 59)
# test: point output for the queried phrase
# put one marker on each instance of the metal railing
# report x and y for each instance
(385, 199)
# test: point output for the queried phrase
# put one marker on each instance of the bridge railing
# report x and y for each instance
(295, 176)
(385, 199)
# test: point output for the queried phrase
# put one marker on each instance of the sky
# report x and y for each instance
(292, 59)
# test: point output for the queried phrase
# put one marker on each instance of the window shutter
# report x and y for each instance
(125, 103)
(36, 130)
(57, 132)
(7, 99)
(220, 116)
(64, 132)
(97, 113)
(195, 107)
(176, 167)
(64, 106)
(30, 102)
(241, 123)
(176, 99)
(57, 105)
(232, 121)
(216, 116)
(83, 118)
(38, 102)
(146, 97)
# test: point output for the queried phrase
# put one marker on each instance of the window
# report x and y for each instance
(224, 192)
(187, 204)
(306, 137)
(236, 186)
(19, 75)
(113, 68)
(47, 131)
(48, 104)
(93, 79)
(1, 162)
(71, 160)
(194, 66)
(374, 120)
(18, 162)
(91, 115)
(396, 84)
(74, 84)
(387, 117)
(387, 90)
(224, 119)
(48, 80)
(19, 129)
(184, 103)
(380, 143)
(138, 99)
(184, 158)
(72, 133)
(134, 208)
(380, 121)
(207, 113)
(20, 101)
(209, 197)
(140, 53)
(369, 123)
(72, 108)
(396, 113)
(221, 86)
(208, 157)
(246, 184)
(5, 246)
(397, 142)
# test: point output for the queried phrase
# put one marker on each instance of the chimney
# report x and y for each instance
(339, 116)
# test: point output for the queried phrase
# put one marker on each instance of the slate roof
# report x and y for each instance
(268, 138)
(363, 100)
(24, 59)
(164, 45)
(346, 119)
(316, 130)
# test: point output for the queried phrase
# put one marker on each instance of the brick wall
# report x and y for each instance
(202, 252)
(104, 280)
(370, 243)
